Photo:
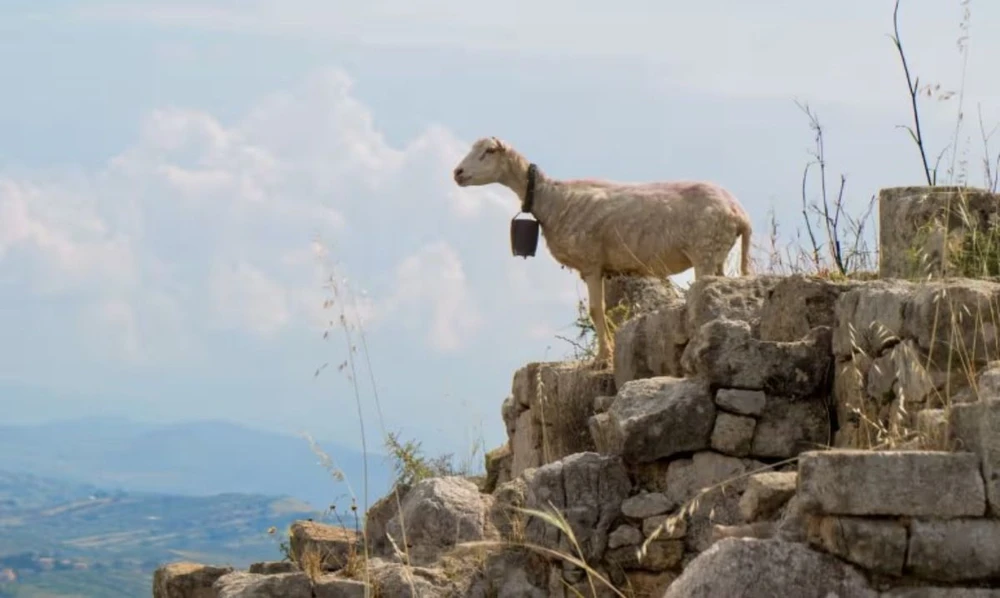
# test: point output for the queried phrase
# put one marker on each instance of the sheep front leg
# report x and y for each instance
(595, 297)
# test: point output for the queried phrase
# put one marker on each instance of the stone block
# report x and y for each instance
(733, 434)
(878, 545)
(975, 427)
(656, 418)
(741, 402)
(891, 483)
(959, 550)
(789, 426)
(766, 493)
(645, 505)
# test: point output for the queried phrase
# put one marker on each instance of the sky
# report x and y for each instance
(179, 180)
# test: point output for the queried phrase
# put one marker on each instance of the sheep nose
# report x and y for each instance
(458, 171)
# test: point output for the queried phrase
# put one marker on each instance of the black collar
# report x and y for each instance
(529, 193)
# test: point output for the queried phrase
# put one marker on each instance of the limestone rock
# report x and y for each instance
(874, 544)
(733, 434)
(378, 516)
(186, 580)
(975, 427)
(624, 535)
(955, 550)
(853, 482)
(588, 490)
(333, 586)
(797, 304)
(766, 493)
(665, 527)
(789, 426)
(741, 402)
(659, 555)
(240, 584)
(332, 544)
(498, 467)
(645, 505)
(656, 418)
(725, 353)
(396, 580)
(439, 513)
(651, 345)
(511, 573)
(767, 568)
(272, 567)
(733, 298)
(937, 592)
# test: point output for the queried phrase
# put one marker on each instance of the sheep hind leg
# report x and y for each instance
(595, 299)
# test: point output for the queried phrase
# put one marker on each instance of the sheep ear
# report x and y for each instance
(500, 146)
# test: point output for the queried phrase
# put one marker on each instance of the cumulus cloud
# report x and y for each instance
(205, 225)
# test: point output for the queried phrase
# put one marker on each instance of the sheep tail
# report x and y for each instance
(745, 232)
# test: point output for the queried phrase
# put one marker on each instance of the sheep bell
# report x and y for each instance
(523, 236)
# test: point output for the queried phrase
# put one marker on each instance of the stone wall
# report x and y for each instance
(760, 436)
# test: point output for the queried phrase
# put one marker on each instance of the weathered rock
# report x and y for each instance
(656, 418)
(658, 525)
(733, 298)
(792, 523)
(378, 516)
(932, 425)
(935, 592)
(877, 315)
(975, 427)
(504, 515)
(765, 569)
(760, 530)
(588, 490)
(651, 345)
(437, 514)
(853, 482)
(797, 304)
(733, 434)
(186, 580)
(639, 295)
(954, 550)
(498, 467)
(624, 535)
(766, 493)
(877, 545)
(332, 544)
(788, 427)
(645, 505)
(396, 580)
(548, 411)
(725, 353)
(687, 478)
(645, 584)
(333, 586)
(240, 584)
(916, 224)
(272, 567)
(741, 402)
(512, 573)
(659, 555)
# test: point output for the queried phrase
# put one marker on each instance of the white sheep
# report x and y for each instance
(602, 228)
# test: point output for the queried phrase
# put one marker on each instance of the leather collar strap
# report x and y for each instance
(529, 193)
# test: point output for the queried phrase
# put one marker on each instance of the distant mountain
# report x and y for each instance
(58, 538)
(198, 458)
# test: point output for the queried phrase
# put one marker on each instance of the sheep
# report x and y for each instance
(603, 228)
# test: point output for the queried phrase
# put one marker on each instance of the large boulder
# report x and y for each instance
(655, 418)
(752, 568)
(438, 514)
(332, 545)
(186, 580)
(725, 353)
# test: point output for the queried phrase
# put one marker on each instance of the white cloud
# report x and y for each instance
(202, 224)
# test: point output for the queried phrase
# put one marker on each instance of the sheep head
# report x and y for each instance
(487, 162)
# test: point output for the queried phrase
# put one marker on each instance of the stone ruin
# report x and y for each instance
(757, 437)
